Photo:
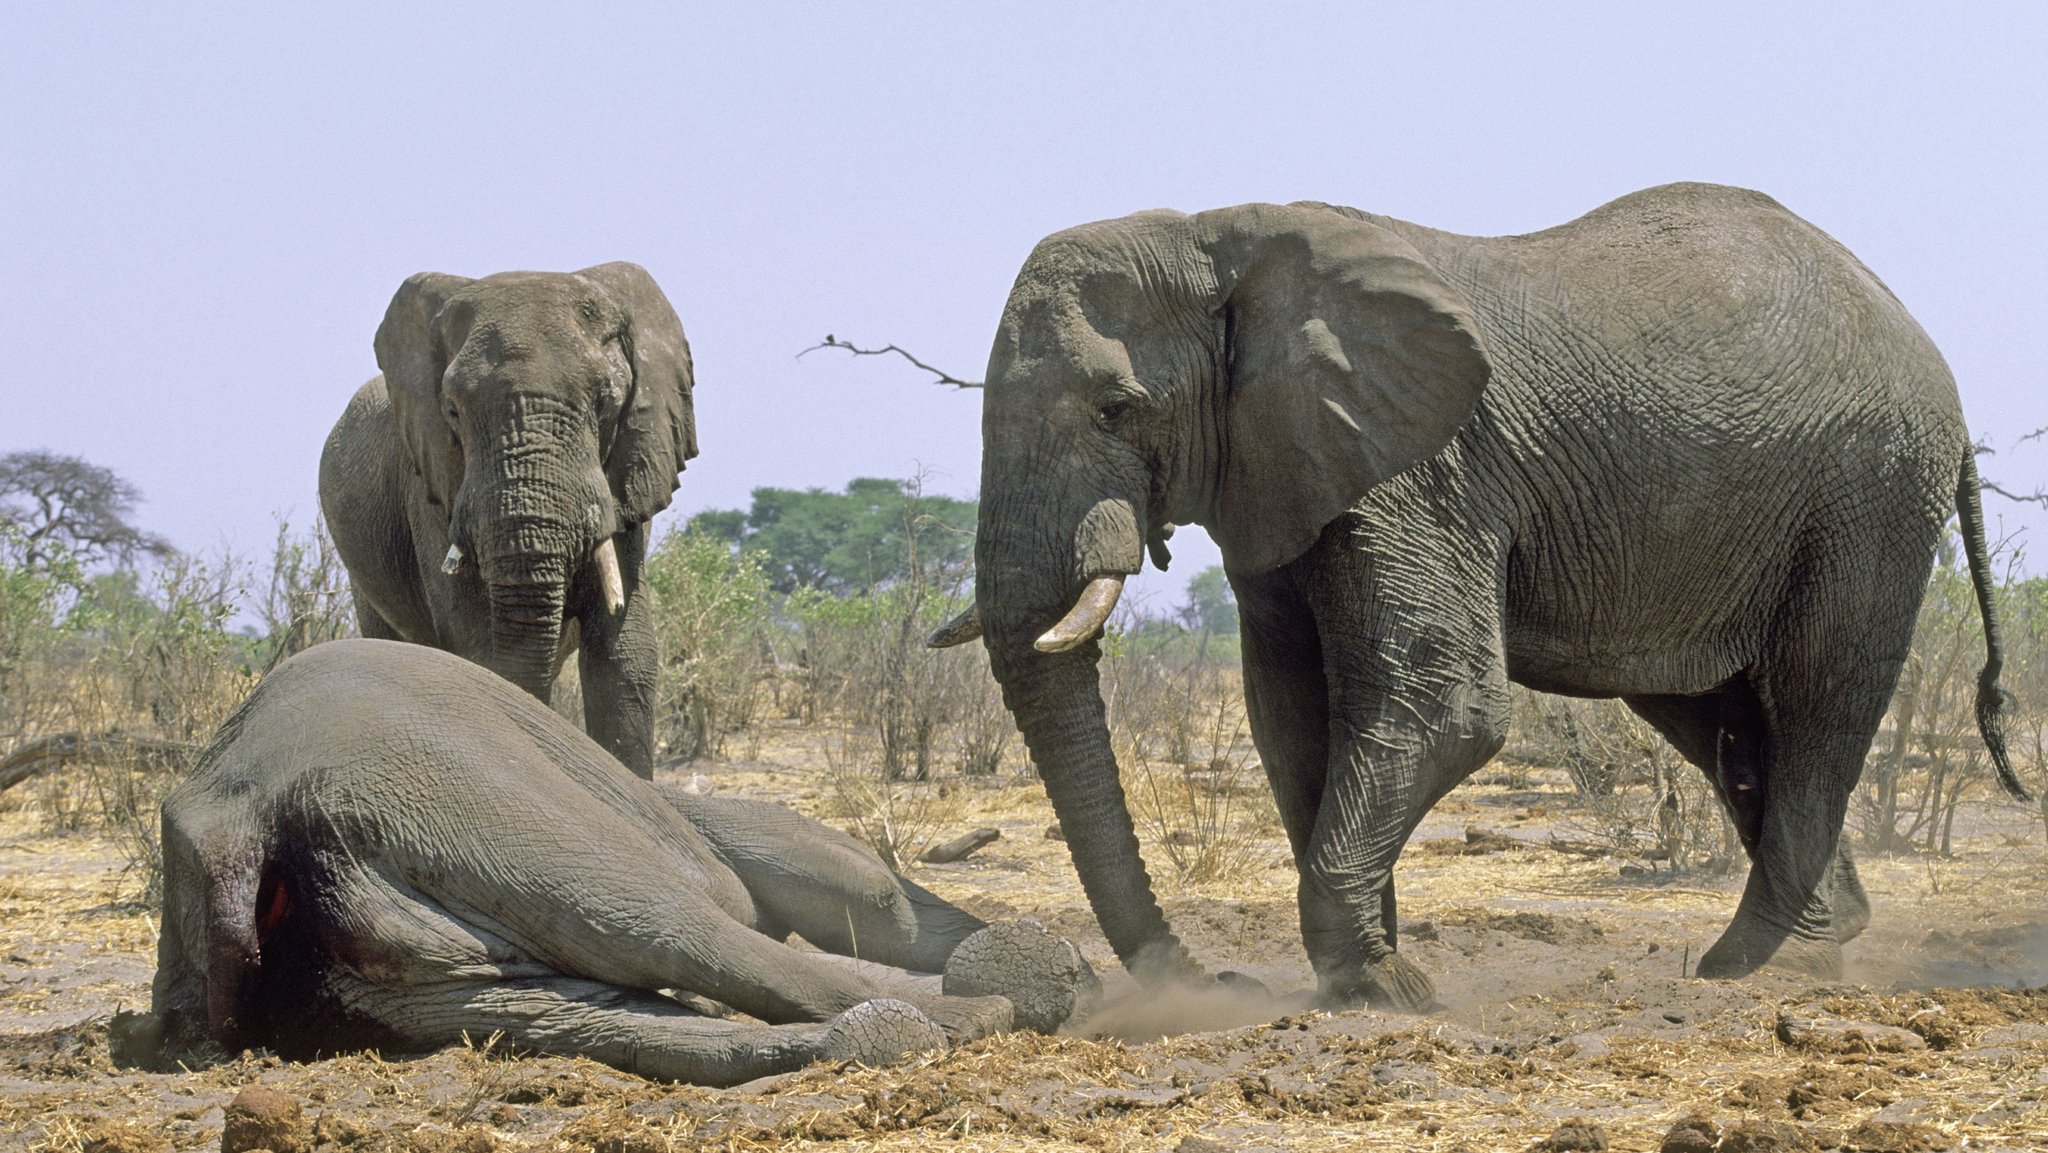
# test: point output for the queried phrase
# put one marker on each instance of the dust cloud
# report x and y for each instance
(1138, 1014)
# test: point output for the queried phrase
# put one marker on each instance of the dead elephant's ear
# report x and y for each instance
(1347, 360)
(658, 429)
(412, 355)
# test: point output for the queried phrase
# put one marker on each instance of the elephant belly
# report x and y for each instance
(1571, 668)
(1646, 625)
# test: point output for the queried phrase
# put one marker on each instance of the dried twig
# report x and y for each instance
(2038, 496)
(945, 377)
(961, 847)
(52, 752)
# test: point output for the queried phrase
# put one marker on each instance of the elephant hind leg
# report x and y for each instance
(1851, 904)
(1722, 734)
(639, 1032)
(814, 880)
(1803, 897)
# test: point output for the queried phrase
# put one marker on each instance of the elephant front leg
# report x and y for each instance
(1384, 774)
(630, 1029)
(619, 659)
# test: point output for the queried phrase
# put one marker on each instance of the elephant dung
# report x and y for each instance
(263, 1118)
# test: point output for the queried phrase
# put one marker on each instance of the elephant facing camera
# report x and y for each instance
(490, 491)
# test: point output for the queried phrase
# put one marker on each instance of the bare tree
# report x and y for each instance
(66, 504)
(2038, 496)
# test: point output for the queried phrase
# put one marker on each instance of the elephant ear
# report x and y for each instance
(658, 429)
(1347, 359)
(412, 357)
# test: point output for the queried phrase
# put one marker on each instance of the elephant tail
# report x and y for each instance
(1993, 702)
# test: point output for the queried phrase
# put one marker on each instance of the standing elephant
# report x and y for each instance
(490, 492)
(388, 846)
(1685, 451)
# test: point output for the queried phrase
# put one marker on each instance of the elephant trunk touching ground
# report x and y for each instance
(1041, 614)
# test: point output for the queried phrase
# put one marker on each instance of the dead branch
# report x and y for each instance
(53, 752)
(2038, 496)
(944, 377)
(961, 847)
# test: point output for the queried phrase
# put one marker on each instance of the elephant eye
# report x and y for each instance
(1113, 410)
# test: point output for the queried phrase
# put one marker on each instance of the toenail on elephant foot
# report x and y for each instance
(879, 1032)
(1392, 985)
(1043, 974)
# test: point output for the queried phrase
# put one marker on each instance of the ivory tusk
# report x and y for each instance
(607, 560)
(958, 631)
(453, 560)
(1085, 619)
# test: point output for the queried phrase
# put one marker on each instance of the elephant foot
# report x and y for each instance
(1738, 954)
(1393, 984)
(879, 1032)
(1848, 902)
(1043, 975)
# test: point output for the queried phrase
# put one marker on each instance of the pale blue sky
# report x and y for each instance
(204, 209)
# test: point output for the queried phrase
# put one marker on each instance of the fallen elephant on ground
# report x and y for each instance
(388, 846)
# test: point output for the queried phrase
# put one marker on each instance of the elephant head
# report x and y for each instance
(1253, 370)
(543, 413)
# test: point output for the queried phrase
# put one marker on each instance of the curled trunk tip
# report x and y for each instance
(1086, 618)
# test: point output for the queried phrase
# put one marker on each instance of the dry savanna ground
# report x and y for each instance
(1567, 1020)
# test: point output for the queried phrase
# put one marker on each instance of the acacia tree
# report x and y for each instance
(58, 505)
(874, 534)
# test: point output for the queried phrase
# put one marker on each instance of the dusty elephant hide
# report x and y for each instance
(389, 846)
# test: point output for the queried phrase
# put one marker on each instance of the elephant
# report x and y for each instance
(389, 846)
(1684, 450)
(489, 493)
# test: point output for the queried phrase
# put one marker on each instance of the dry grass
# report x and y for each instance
(1536, 1031)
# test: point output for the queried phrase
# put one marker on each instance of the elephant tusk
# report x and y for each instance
(958, 631)
(453, 560)
(1085, 619)
(607, 560)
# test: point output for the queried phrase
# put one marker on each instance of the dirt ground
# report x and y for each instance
(1566, 1016)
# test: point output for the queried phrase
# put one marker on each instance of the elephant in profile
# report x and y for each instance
(1684, 450)
(389, 846)
(489, 493)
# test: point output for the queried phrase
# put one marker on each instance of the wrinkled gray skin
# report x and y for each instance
(527, 418)
(389, 846)
(1684, 450)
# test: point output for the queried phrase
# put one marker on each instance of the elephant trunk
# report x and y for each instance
(1060, 713)
(528, 588)
(1051, 687)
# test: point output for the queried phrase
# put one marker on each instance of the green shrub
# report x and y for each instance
(713, 622)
